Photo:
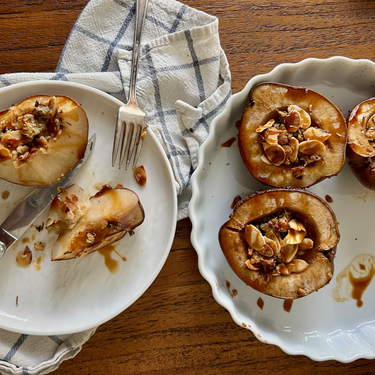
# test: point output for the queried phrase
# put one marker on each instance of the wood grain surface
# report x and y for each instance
(176, 327)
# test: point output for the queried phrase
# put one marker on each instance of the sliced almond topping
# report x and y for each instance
(283, 269)
(281, 241)
(267, 125)
(253, 267)
(297, 266)
(305, 119)
(271, 236)
(288, 252)
(312, 147)
(306, 244)
(5, 154)
(294, 236)
(275, 153)
(296, 225)
(288, 151)
(316, 134)
(265, 159)
(294, 145)
(271, 135)
(254, 237)
(292, 121)
(268, 249)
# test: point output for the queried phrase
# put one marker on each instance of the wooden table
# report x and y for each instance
(176, 326)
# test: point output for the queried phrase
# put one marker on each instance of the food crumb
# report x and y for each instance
(140, 175)
(5, 195)
(17, 301)
(329, 199)
(39, 245)
(40, 227)
(243, 325)
(227, 164)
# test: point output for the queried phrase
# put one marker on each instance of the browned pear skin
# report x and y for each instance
(320, 223)
(360, 153)
(265, 99)
(112, 214)
(62, 155)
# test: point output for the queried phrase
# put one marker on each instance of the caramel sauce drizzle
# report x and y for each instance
(354, 279)
(287, 306)
(260, 303)
(229, 142)
(360, 284)
(234, 292)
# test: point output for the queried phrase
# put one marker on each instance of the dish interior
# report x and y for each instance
(317, 325)
(70, 296)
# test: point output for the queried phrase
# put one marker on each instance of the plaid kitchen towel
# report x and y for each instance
(183, 83)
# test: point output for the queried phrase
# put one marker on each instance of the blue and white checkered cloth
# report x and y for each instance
(183, 83)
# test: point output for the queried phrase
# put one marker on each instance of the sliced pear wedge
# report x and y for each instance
(41, 139)
(112, 214)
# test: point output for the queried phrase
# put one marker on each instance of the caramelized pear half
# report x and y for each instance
(281, 242)
(361, 146)
(41, 139)
(112, 214)
(291, 136)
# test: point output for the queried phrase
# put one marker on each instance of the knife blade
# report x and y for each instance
(26, 212)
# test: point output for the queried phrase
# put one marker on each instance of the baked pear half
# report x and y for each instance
(111, 214)
(41, 139)
(361, 146)
(281, 242)
(291, 136)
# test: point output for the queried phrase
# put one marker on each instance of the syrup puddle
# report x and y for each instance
(111, 264)
(354, 279)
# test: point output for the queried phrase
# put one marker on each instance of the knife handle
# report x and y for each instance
(6, 241)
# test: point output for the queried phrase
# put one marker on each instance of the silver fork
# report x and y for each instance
(130, 114)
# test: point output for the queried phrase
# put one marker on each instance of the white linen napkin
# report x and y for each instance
(183, 83)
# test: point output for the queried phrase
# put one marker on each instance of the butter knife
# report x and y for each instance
(26, 212)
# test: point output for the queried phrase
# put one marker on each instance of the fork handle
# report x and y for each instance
(140, 12)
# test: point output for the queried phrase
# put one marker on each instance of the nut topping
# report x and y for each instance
(316, 134)
(291, 137)
(275, 153)
(306, 244)
(254, 237)
(294, 145)
(305, 119)
(288, 252)
(275, 245)
(252, 267)
(297, 266)
(271, 136)
(267, 125)
(312, 147)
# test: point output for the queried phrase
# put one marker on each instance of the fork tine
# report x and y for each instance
(138, 147)
(116, 140)
(134, 138)
(124, 146)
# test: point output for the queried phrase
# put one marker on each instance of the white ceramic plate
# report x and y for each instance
(75, 295)
(317, 326)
